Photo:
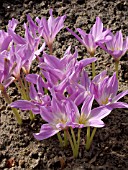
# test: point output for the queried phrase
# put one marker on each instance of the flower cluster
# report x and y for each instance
(62, 93)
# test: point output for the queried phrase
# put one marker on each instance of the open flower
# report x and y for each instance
(116, 47)
(57, 70)
(57, 118)
(31, 39)
(87, 117)
(22, 56)
(49, 29)
(5, 38)
(105, 91)
(97, 34)
(37, 97)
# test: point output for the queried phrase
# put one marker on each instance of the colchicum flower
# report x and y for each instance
(31, 39)
(87, 117)
(37, 97)
(97, 34)
(5, 38)
(105, 91)
(57, 118)
(116, 47)
(49, 29)
(57, 70)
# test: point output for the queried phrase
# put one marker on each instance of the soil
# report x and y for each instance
(18, 148)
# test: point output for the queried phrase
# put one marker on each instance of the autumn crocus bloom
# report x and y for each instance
(87, 117)
(105, 91)
(5, 38)
(37, 97)
(49, 29)
(31, 39)
(57, 70)
(116, 47)
(6, 77)
(96, 34)
(57, 118)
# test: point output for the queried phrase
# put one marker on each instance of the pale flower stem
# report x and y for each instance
(23, 92)
(24, 95)
(93, 66)
(93, 70)
(15, 111)
(26, 89)
(60, 139)
(32, 116)
(92, 135)
(71, 143)
(73, 137)
(78, 142)
(19, 89)
(87, 146)
(90, 139)
(116, 67)
(65, 138)
(26, 84)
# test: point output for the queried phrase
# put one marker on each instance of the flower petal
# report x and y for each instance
(46, 131)
(96, 123)
(120, 95)
(86, 108)
(22, 104)
(100, 112)
(118, 105)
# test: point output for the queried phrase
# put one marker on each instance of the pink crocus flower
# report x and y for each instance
(6, 77)
(5, 38)
(37, 96)
(30, 39)
(97, 34)
(105, 91)
(116, 47)
(87, 117)
(57, 118)
(68, 67)
(49, 29)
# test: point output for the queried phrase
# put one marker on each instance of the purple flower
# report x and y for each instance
(5, 38)
(87, 117)
(22, 56)
(49, 29)
(57, 118)
(57, 70)
(116, 47)
(31, 39)
(37, 97)
(75, 89)
(97, 34)
(105, 91)
(6, 77)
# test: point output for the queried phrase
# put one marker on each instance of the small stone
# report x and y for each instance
(21, 163)
(35, 163)
(10, 162)
(3, 163)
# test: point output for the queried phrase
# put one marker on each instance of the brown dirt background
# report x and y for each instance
(18, 148)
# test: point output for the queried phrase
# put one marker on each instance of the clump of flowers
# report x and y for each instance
(62, 93)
